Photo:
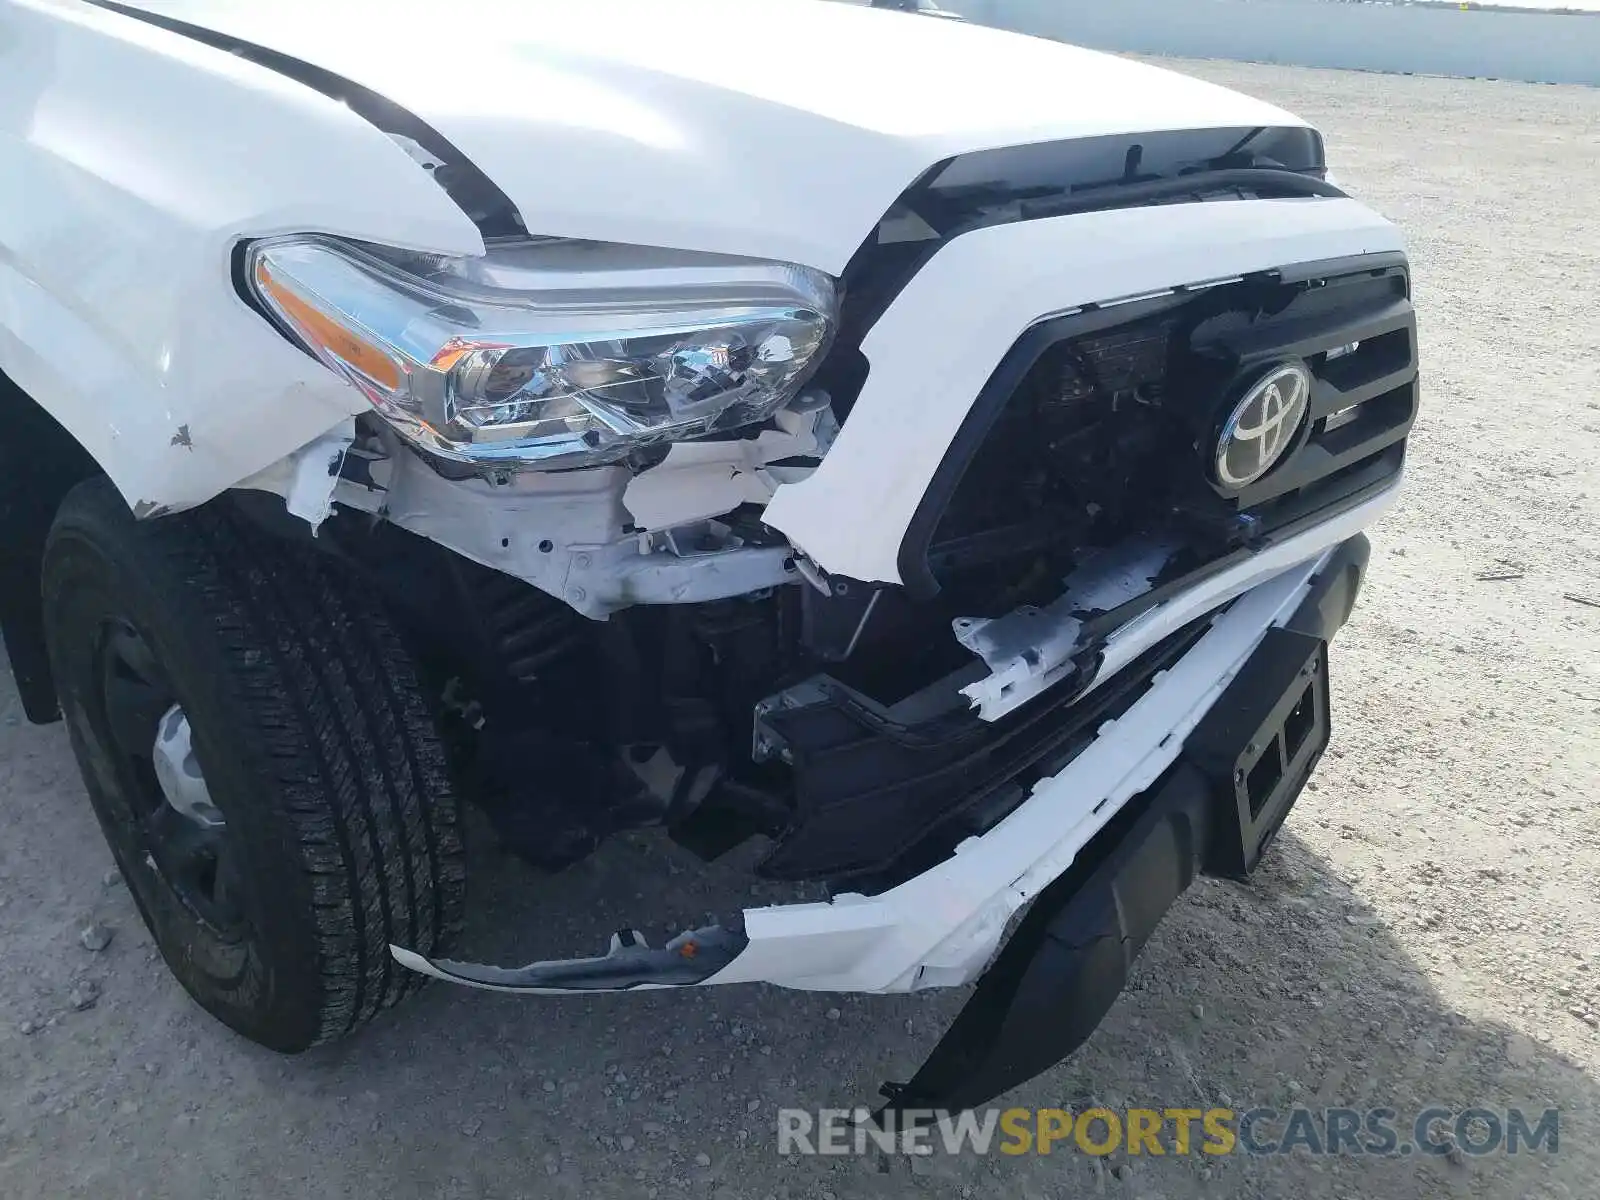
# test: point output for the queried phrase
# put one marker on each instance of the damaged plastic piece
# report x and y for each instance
(1213, 813)
(629, 963)
(315, 475)
(1032, 649)
(1069, 958)
(701, 479)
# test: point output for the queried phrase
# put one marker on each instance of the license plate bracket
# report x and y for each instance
(1259, 744)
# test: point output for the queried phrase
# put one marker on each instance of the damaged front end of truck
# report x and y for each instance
(641, 642)
(960, 508)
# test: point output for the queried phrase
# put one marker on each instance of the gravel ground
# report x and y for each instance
(1425, 930)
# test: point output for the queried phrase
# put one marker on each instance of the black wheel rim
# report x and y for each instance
(168, 850)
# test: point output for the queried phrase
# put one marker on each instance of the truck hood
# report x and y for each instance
(780, 129)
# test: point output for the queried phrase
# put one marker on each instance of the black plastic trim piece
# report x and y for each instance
(1274, 180)
(1100, 625)
(489, 208)
(1334, 590)
(40, 462)
(1259, 743)
(1070, 176)
(880, 803)
(1070, 956)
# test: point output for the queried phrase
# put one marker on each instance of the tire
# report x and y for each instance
(325, 826)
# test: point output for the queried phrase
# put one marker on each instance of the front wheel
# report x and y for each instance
(259, 755)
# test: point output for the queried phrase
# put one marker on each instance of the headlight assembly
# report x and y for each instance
(550, 353)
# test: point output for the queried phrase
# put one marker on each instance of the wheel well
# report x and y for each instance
(40, 462)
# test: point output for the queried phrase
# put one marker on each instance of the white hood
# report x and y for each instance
(774, 128)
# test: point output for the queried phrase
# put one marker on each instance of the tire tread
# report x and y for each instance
(350, 751)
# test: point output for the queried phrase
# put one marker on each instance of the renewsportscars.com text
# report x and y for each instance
(1256, 1131)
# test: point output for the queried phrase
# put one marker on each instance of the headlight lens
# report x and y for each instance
(551, 353)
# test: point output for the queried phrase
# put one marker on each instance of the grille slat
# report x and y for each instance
(1328, 397)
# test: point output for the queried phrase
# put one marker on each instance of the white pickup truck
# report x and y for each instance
(937, 455)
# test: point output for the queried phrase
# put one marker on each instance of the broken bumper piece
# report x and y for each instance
(628, 964)
(1213, 813)
(1100, 851)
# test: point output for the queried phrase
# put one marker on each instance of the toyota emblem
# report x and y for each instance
(1262, 426)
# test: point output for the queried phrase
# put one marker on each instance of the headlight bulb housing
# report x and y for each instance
(550, 353)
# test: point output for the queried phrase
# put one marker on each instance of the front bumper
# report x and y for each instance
(944, 926)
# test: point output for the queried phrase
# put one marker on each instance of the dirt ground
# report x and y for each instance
(1427, 929)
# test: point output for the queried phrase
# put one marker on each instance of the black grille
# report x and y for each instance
(1099, 428)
